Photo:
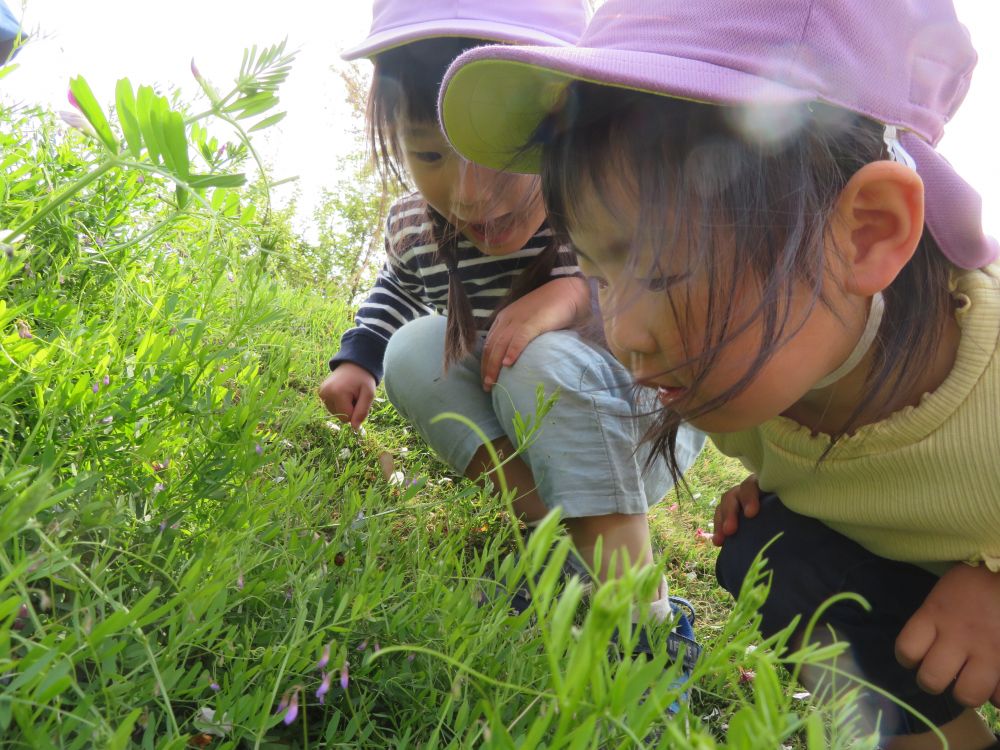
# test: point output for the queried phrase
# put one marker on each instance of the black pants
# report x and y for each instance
(809, 564)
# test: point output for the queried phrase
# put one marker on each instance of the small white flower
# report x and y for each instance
(345, 453)
(333, 426)
(397, 477)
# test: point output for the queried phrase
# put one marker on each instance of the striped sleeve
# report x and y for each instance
(397, 297)
(566, 264)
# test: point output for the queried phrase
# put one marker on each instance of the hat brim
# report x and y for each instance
(499, 33)
(494, 98)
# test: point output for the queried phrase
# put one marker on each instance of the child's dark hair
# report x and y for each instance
(746, 210)
(405, 88)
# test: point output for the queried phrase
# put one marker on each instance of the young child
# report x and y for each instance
(785, 256)
(473, 245)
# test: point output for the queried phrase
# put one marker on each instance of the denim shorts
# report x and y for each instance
(586, 457)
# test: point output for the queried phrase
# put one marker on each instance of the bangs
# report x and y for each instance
(405, 90)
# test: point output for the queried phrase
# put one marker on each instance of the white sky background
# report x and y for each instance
(151, 41)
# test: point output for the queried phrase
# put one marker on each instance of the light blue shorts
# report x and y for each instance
(586, 456)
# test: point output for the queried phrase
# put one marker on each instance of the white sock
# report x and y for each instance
(659, 610)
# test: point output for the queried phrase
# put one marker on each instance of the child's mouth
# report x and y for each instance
(493, 233)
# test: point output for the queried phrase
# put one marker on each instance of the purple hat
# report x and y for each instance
(905, 63)
(545, 22)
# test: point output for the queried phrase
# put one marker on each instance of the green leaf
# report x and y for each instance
(145, 101)
(217, 180)
(158, 121)
(125, 104)
(92, 111)
(123, 734)
(183, 196)
(176, 142)
(268, 122)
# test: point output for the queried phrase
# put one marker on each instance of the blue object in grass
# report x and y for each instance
(10, 27)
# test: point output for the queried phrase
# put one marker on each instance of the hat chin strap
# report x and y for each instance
(875, 313)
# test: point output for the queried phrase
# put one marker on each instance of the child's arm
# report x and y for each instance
(955, 637)
(556, 305)
(395, 300)
(743, 499)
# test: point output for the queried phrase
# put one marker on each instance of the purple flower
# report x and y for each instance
(107, 420)
(158, 488)
(293, 708)
(324, 687)
(23, 331)
(107, 380)
(344, 675)
(239, 582)
(411, 656)
(363, 645)
(258, 450)
(283, 703)
(75, 120)
(230, 276)
(72, 99)
(377, 647)
(325, 658)
(215, 687)
(95, 387)
(195, 72)
(140, 179)
(163, 526)
(21, 618)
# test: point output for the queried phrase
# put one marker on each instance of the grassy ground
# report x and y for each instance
(194, 554)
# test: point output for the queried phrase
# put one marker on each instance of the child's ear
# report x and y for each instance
(878, 222)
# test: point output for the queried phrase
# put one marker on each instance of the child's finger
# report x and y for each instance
(517, 344)
(915, 640)
(749, 496)
(976, 684)
(940, 666)
(493, 354)
(362, 406)
(339, 404)
(726, 521)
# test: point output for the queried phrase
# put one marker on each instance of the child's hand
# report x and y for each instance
(554, 306)
(348, 393)
(743, 498)
(955, 637)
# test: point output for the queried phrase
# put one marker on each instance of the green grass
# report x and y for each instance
(184, 532)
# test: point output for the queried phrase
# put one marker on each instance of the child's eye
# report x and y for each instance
(662, 283)
(428, 157)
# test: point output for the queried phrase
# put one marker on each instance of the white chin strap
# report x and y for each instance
(875, 313)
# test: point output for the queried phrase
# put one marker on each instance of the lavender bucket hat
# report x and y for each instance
(904, 63)
(537, 22)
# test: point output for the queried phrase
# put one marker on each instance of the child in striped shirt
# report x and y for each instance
(473, 245)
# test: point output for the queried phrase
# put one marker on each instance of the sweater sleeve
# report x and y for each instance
(395, 300)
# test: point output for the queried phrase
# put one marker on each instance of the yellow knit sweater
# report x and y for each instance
(922, 485)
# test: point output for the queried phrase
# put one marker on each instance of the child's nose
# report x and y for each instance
(628, 333)
(474, 188)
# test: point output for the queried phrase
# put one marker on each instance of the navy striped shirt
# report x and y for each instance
(414, 282)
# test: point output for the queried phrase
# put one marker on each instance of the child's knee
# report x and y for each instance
(741, 549)
(414, 356)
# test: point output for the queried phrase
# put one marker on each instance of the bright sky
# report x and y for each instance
(153, 42)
